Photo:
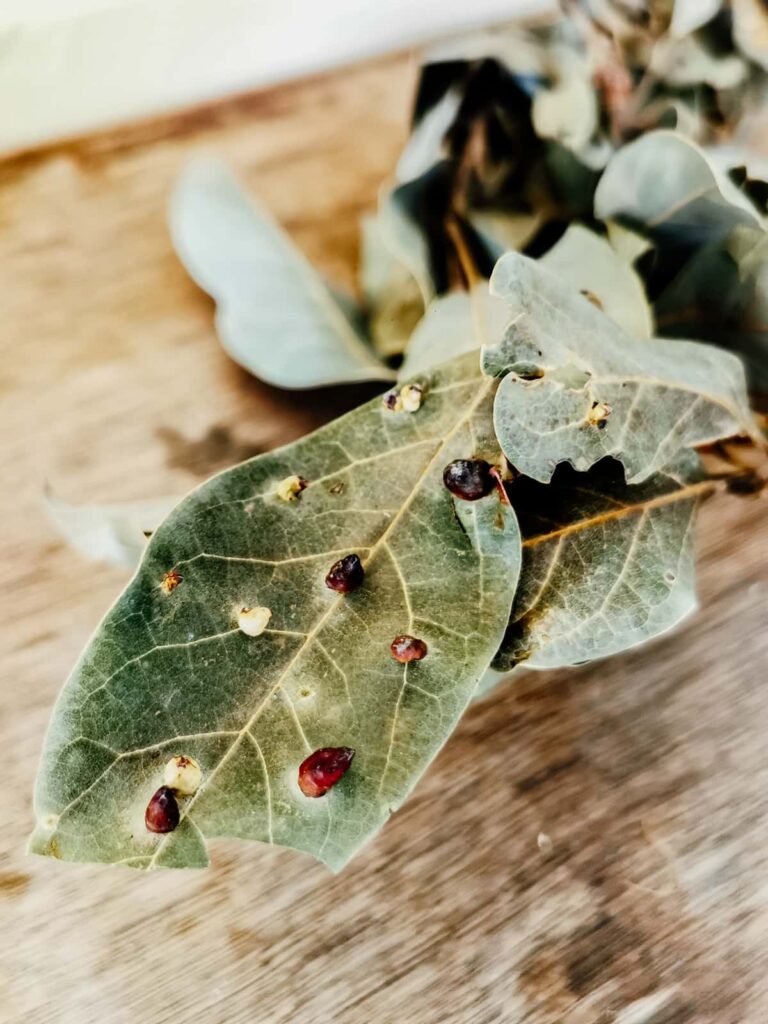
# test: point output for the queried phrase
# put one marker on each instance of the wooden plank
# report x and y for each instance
(646, 902)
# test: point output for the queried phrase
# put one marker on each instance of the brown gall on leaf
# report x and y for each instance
(290, 488)
(322, 769)
(345, 575)
(162, 813)
(170, 581)
(468, 479)
(408, 648)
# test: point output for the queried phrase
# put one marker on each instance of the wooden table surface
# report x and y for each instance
(648, 903)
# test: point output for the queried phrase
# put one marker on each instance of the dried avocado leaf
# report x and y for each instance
(170, 673)
(606, 565)
(275, 315)
(591, 265)
(401, 235)
(663, 186)
(576, 388)
(452, 325)
(426, 143)
(393, 298)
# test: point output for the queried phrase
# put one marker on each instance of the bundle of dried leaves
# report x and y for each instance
(564, 284)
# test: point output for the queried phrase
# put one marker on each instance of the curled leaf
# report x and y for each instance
(426, 143)
(264, 288)
(403, 237)
(664, 186)
(576, 388)
(393, 297)
(170, 671)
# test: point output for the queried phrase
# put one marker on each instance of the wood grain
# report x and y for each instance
(591, 846)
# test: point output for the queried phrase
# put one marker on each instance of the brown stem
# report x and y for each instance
(468, 269)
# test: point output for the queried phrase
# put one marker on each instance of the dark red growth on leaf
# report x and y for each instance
(345, 575)
(408, 648)
(162, 813)
(469, 479)
(323, 769)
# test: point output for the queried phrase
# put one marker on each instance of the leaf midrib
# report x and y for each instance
(682, 494)
(485, 387)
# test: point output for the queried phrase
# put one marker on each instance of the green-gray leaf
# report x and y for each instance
(589, 263)
(275, 315)
(664, 186)
(577, 388)
(452, 325)
(426, 143)
(393, 298)
(504, 231)
(404, 240)
(169, 672)
(606, 565)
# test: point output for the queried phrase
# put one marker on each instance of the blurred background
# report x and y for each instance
(68, 66)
